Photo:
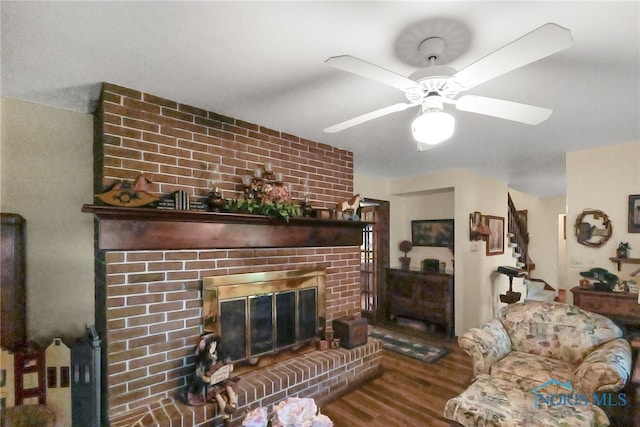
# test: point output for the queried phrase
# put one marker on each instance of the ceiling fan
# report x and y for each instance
(432, 87)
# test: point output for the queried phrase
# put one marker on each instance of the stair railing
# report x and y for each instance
(518, 229)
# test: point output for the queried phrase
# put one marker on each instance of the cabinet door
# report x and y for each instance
(12, 283)
(401, 287)
(431, 298)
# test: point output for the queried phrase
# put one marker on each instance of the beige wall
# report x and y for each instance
(439, 204)
(47, 176)
(544, 248)
(477, 286)
(602, 178)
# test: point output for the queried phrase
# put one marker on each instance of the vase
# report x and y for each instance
(215, 201)
(405, 263)
(621, 253)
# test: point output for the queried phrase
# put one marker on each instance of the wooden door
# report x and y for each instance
(374, 259)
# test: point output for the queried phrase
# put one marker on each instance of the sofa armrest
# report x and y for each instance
(607, 368)
(486, 345)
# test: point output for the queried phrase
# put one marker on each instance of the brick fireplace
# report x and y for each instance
(149, 291)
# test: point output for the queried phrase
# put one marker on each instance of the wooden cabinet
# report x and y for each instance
(13, 315)
(621, 307)
(421, 296)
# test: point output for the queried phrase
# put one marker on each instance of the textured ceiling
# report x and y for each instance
(263, 62)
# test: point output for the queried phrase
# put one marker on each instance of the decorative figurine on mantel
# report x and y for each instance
(124, 193)
(348, 208)
(212, 379)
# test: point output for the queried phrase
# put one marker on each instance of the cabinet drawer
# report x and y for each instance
(610, 306)
(590, 303)
(436, 314)
(430, 294)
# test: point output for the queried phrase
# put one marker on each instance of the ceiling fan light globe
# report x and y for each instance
(433, 127)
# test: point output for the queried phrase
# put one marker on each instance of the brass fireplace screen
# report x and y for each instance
(262, 313)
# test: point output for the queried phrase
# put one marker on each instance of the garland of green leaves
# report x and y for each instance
(283, 210)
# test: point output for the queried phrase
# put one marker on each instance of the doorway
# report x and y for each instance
(374, 259)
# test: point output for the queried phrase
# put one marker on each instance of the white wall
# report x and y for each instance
(602, 178)
(46, 177)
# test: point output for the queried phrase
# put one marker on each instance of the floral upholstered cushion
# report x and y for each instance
(491, 401)
(486, 345)
(556, 330)
(529, 371)
(607, 368)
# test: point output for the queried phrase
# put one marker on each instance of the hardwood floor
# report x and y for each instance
(409, 392)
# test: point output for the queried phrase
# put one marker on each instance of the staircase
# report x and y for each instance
(537, 289)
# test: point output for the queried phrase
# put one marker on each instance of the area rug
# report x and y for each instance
(405, 345)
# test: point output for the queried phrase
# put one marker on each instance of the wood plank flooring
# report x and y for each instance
(409, 392)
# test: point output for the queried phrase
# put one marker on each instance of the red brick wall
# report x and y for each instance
(148, 303)
(175, 143)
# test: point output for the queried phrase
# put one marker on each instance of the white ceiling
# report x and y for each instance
(263, 62)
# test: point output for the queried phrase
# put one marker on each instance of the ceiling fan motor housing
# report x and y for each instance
(435, 78)
(432, 102)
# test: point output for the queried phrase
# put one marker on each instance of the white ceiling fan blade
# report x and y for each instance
(502, 109)
(540, 43)
(368, 116)
(366, 69)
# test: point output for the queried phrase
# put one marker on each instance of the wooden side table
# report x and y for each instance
(621, 307)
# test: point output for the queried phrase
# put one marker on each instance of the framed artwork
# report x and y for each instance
(495, 242)
(432, 232)
(634, 213)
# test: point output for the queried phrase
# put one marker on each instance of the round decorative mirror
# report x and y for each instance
(593, 228)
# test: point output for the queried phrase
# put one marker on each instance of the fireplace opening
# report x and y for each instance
(258, 314)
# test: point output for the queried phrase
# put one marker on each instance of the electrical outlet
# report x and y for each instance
(577, 262)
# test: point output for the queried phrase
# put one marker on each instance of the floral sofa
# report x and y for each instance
(536, 349)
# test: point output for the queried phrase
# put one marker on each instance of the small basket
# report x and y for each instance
(634, 288)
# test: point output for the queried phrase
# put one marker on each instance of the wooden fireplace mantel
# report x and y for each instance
(159, 229)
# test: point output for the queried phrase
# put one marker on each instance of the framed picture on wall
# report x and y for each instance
(432, 232)
(495, 242)
(634, 213)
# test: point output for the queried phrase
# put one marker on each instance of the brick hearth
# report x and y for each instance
(320, 375)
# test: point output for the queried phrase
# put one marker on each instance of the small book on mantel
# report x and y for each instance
(167, 203)
(197, 205)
